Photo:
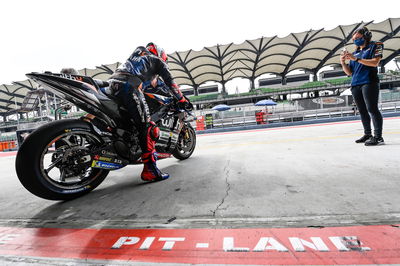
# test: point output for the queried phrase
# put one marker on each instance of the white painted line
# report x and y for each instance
(202, 245)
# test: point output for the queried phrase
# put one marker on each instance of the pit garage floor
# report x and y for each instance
(303, 195)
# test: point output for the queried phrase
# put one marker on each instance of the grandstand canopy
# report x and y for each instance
(12, 96)
(310, 51)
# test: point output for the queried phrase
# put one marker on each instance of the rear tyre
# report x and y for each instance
(186, 143)
(54, 161)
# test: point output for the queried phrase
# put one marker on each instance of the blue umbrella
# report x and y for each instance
(221, 107)
(265, 103)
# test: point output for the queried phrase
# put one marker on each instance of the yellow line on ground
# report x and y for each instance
(250, 143)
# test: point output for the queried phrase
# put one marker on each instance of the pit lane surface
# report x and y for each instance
(313, 181)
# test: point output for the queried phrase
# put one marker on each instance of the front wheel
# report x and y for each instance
(54, 162)
(186, 143)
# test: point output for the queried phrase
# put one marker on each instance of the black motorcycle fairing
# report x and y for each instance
(111, 118)
(79, 90)
(108, 158)
(84, 92)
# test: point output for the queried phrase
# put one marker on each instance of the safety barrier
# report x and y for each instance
(200, 125)
(8, 145)
(261, 118)
(209, 121)
(305, 115)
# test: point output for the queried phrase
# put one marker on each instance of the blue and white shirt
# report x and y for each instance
(362, 74)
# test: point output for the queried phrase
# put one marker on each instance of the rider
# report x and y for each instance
(69, 71)
(127, 83)
(156, 84)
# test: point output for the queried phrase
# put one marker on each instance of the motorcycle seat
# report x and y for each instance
(101, 83)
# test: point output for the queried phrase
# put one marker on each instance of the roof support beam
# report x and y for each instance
(389, 58)
(300, 47)
(182, 64)
(392, 33)
(345, 40)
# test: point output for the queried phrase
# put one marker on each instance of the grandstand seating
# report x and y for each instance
(327, 84)
(313, 84)
(338, 81)
(206, 97)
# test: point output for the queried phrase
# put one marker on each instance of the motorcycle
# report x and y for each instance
(67, 158)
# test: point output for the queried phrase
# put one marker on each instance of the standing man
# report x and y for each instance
(363, 67)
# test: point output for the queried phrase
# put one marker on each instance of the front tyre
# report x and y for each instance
(186, 143)
(54, 161)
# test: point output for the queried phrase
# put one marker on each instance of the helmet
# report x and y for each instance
(365, 33)
(69, 71)
(140, 51)
(157, 51)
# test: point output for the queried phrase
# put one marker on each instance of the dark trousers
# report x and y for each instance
(127, 90)
(366, 98)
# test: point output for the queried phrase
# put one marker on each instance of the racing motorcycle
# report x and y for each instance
(68, 158)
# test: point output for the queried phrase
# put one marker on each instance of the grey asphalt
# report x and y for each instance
(310, 175)
(302, 176)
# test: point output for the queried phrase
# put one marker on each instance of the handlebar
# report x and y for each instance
(187, 108)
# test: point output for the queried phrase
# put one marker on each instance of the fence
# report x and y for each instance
(305, 115)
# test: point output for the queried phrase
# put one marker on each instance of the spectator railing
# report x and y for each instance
(332, 84)
(392, 107)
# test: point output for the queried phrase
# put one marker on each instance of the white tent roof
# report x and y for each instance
(310, 50)
(12, 96)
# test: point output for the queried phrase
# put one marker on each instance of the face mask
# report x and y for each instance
(359, 41)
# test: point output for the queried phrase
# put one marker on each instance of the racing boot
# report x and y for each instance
(150, 170)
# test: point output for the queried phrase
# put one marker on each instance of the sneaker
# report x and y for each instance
(152, 174)
(373, 141)
(363, 139)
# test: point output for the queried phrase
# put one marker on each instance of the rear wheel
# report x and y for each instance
(54, 162)
(186, 143)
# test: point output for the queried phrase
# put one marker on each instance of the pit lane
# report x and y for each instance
(311, 177)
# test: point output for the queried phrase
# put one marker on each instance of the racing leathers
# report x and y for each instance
(126, 84)
(158, 88)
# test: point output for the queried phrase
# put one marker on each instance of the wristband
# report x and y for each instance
(357, 59)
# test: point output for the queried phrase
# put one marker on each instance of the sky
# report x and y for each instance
(43, 35)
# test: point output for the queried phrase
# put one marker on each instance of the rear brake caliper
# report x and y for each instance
(75, 160)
